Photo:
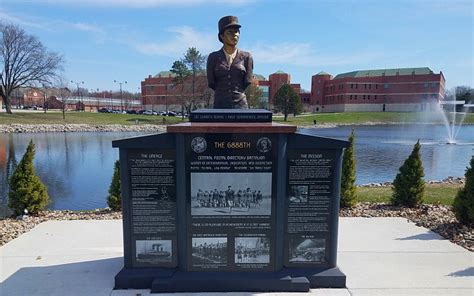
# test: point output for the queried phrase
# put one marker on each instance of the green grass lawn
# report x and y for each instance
(434, 194)
(84, 117)
(128, 119)
(361, 117)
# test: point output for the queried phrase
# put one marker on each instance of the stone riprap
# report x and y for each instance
(437, 218)
(51, 128)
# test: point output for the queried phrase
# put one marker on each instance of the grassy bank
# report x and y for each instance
(84, 118)
(129, 119)
(365, 117)
(435, 194)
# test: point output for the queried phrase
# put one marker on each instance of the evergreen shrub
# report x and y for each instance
(409, 186)
(348, 178)
(463, 204)
(114, 200)
(27, 192)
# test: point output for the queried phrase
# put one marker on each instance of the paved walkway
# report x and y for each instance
(380, 256)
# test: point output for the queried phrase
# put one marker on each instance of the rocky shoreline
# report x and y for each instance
(437, 218)
(59, 128)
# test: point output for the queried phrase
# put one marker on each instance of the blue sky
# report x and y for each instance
(125, 40)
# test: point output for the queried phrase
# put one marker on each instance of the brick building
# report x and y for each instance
(160, 92)
(392, 90)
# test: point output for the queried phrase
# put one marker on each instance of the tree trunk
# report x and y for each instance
(286, 115)
(8, 105)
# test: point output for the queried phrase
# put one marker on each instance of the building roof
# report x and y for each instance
(323, 73)
(385, 72)
(259, 77)
(165, 74)
(171, 74)
(279, 72)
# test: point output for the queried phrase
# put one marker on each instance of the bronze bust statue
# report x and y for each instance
(229, 70)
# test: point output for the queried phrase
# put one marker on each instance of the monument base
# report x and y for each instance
(161, 280)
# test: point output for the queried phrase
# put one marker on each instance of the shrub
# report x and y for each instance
(348, 178)
(26, 190)
(463, 204)
(114, 200)
(409, 186)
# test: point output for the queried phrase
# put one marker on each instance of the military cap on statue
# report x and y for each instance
(227, 22)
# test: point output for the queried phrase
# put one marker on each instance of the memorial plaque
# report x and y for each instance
(309, 190)
(153, 208)
(231, 201)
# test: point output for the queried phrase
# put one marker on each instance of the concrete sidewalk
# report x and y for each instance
(380, 256)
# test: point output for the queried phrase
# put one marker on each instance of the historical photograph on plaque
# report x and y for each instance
(231, 194)
(298, 194)
(252, 250)
(307, 250)
(209, 251)
(153, 251)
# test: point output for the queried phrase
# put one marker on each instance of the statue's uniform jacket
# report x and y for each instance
(229, 81)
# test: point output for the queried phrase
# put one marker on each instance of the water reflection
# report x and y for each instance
(381, 150)
(77, 167)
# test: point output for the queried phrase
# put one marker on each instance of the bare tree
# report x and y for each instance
(24, 61)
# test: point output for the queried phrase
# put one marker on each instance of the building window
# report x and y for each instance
(363, 97)
(355, 97)
(318, 92)
(352, 86)
(365, 86)
(425, 85)
(319, 80)
(350, 97)
(376, 86)
(386, 85)
(370, 86)
(368, 97)
(357, 86)
(375, 97)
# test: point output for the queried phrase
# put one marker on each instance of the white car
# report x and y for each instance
(148, 112)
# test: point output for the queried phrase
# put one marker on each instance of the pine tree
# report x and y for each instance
(409, 186)
(114, 200)
(287, 101)
(26, 189)
(348, 188)
(463, 204)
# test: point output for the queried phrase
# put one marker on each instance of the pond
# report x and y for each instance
(77, 167)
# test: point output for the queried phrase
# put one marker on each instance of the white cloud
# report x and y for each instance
(137, 3)
(87, 28)
(184, 38)
(5, 17)
(303, 54)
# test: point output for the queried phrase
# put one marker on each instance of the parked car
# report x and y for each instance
(171, 113)
(103, 110)
(131, 112)
(163, 113)
(148, 112)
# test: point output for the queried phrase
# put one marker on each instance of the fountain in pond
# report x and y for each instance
(452, 119)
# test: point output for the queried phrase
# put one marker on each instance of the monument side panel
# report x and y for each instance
(309, 205)
(231, 192)
(152, 214)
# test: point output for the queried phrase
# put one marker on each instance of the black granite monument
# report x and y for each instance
(230, 206)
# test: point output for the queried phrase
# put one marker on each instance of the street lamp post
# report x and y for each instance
(121, 96)
(78, 93)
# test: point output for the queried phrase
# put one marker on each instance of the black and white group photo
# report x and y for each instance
(307, 250)
(209, 250)
(298, 194)
(252, 250)
(231, 193)
(153, 251)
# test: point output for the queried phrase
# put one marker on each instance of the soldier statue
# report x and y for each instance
(229, 70)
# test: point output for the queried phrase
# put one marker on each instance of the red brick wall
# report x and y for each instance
(382, 89)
